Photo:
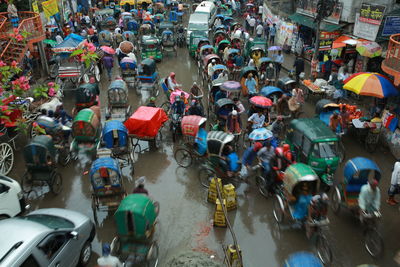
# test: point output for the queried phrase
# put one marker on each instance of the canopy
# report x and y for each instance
(353, 170)
(309, 22)
(302, 259)
(135, 216)
(247, 70)
(115, 129)
(325, 104)
(204, 47)
(106, 162)
(231, 86)
(210, 57)
(220, 67)
(370, 84)
(264, 60)
(86, 123)
(260, 134)
(268, 90)
(70, 43)
(190, 124)
(261, 101)
(216, 140)
(224, 101)
(233, 51)
(299, 173)
(274, 48)
(344, 40)
(36, 152)
(146, 121)
(117, 84)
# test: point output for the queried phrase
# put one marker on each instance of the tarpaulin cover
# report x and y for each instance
(146, 121)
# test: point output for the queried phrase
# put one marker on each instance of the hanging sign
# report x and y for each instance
(371, 13)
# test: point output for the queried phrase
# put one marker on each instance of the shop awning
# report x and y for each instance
(344, 40)
(309, 22)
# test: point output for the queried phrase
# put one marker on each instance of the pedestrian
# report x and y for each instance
(272, 34)
(266, 31)
(278, 63)
(13, 13)
(108, 63)
(328, 65)
(259, 30)
(107, 260)
(394, 188)
(252, 25)
(298, 66)
(251, 85)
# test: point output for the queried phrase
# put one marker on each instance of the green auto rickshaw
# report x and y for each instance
(150, 47)
(136, 219)
(315, 144)
(256, 42)
(193, 41)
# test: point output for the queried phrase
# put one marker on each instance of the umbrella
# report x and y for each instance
(260, 134)
(134, 11)
(126, 14)
(268, 90)
(231, 86)
(302, 259)
(274, 48)
(159, 16)
(127, 60)
(370, 84)
(249, 4)
(108, 50)
(50, 42)
(261, 101)
(126, 47)
(369, 49)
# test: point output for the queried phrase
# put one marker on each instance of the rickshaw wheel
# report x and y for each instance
(56, 183)
(336, 200)
(183, 157)
(262, 186)
(6, 158)
(205, 176)
(152, 254)
(373, 242)
(27, 182)
(278, 209)
(115, 246)
(324, 251)
(64, 156)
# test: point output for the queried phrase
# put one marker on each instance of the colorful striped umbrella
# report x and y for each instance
(370, 84)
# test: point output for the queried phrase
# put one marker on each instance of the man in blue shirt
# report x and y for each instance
(251, 85)
(250, 154)
(178, 107)
(238, 60)
(272, 33)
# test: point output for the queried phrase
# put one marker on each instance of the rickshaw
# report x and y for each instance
(87, 95)
(193, 41)
(164, 26)
(229, 60)
(222, 108)
(243, 76)
(315, 144)
(293, 202)
(205, 50)
(215, 165)
(213, 88)
(133, 27)
(324, 109)
(109, 23)
(129, 71)
(232, 89)
(105, 38)
(272, 92)
(150, 47)
(217, 70)
(200, 44)
(228, 21)
(129, 36)
(256, 42)
(85, 132)
(145, 125)
(118, 105)
(220, 47)
(41, 168)
(203, 66)
(257, 52)
(357, 172)
(148, 77)
(115, 138)
(266, 70)
(219, 36)
(108, 189)
(184, 155)
(136, 219)
(287, 84)
(168, 42)
(126, 16)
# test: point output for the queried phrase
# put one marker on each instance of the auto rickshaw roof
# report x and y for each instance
(354, 166)
(245, 71)
(150, 63)
(299, 173)
(85, 115)
(148, 39)
(106, 162)
(112, 125)
(314, 129)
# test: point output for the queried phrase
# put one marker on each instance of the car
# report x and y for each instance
(47, 237)
(12, 201)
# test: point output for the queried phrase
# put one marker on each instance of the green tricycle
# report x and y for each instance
(194, 40)
(136, 219)
(315, 144)
(150, 46)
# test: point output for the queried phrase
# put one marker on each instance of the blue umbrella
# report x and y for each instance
(268, 90)
(233, 50)
(302, 259)
(260, 134)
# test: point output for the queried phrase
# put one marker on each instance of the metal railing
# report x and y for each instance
(393, 53)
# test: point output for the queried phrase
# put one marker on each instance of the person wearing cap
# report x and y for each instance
(335, 120)
(107, 260)
(210, 68)
(369, 199)
(250, 154)
(233, 123)
(140, 189)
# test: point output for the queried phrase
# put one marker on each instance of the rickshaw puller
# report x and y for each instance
(369, 199)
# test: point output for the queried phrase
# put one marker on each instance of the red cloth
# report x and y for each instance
(146, 121)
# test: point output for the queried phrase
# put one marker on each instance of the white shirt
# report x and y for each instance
(251, 63)
(259, 29)
(87, 19)
(171, 84)
(210, 69)
(343, 76)
(369, 200)
(59, 39)
(258, 121)
(395, 174)
(132, 56)
(260, 10)
(109, 261)
(252, 22)
(279, 58)
(117, 30)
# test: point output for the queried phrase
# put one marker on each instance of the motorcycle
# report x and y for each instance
(175, 126)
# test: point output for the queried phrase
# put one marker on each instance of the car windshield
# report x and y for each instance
(197, 27)
(50, 221)
(325, 150)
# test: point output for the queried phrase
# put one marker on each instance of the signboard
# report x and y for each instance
(309, 8)
(365, 30)
(269, 16)
(371, 13)
(391, 26)
(35, 7)
(325, 44)
(329, 35)
(50, 8)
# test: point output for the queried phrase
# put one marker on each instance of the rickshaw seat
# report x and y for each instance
(353, 188)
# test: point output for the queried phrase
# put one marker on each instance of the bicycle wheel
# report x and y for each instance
(183, 157)
(205, 176)
(373, 242)
(278, 209)
(262, 186)
(64, 156)
(336, 200)
(56, 183)
(324, 251)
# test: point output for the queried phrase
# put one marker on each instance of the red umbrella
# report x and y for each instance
(261, 101)
(108, 50)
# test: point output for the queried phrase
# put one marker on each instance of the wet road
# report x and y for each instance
(185, 216)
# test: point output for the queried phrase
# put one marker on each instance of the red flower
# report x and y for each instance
(16, 31)
(14, 64)
(19, 37)
(2, 64)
